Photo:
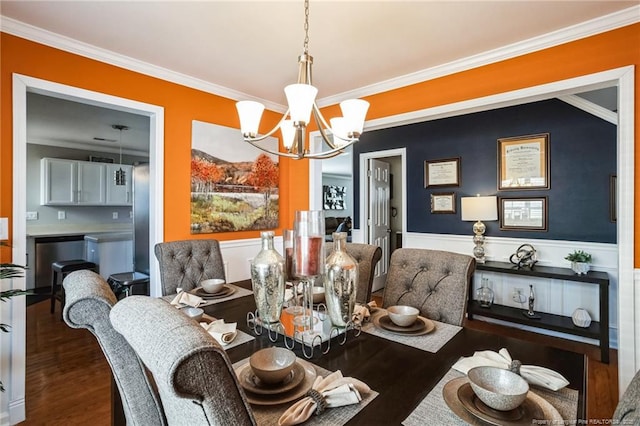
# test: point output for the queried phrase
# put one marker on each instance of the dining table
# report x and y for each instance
(402, 375)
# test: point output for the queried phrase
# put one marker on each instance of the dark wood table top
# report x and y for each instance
(403, 375)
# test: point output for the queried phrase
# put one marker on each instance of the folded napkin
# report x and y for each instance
(184, 298)
(361, 313)
(223, 333)
(328, 392)
(533, 374)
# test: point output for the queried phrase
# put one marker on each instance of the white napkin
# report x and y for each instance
(337, 392)
(533, 374)
(223, 333)
(184, 298)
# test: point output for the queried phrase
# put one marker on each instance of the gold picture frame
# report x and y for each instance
(443, 203)
(444, 172)
(523, 162)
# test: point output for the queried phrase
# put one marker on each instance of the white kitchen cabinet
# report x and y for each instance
(72, 182)
(118, 195)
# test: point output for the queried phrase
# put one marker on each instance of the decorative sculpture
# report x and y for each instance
(525, 256)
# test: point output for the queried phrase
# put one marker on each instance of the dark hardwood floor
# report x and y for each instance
(68, 379)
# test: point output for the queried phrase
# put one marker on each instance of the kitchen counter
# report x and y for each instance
(109, 237)
(35, 231)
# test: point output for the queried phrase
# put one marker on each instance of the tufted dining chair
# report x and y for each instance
(195, 379)
(185, 263)
(436, 282)
(628, 409)
(367, 256)
(89, 301)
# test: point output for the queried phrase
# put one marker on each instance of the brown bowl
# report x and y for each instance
(500, 389)
(272, 365)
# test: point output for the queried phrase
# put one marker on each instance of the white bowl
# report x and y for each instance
(193, 313)
(318, 294)
(500, 389)
(213, 285)
(402, 315)
(272, 365)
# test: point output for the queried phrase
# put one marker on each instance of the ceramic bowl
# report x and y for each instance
(272, 365)
(213, 285)
(402, 316)
(498, 388)
(193, 313)
(318, 294)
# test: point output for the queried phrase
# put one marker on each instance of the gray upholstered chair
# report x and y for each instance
(186, 263)
(89, 301)
(195, 379)
(436, 282)
(628, 410)
(367, 256)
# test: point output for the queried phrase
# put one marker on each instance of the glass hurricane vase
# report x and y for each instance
(340, 282)
(268, 280)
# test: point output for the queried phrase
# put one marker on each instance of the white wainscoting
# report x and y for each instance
(552, 296)
(237, 255)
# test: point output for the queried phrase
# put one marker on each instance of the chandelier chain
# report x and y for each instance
(306, 26)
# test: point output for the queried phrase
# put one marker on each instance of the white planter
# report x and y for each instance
(581, 318)
(580, 268)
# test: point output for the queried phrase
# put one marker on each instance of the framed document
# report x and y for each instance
(443, 203)
(523, 162)
(442, 172)
(523, 214)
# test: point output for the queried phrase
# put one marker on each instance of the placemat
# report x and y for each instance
(269, 415)
(431, 342)
(240, 292)
(434, 410)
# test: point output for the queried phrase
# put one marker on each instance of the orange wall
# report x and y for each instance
(598, 53)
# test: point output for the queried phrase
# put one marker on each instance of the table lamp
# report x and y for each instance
(478, 209)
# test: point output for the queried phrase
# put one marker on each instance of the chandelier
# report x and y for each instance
(301, 98)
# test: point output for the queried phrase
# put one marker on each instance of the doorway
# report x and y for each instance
(21, 86)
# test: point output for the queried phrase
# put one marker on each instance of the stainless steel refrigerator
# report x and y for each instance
(141, 218)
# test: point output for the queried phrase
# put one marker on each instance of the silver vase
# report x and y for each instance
(340, 282)
(268, 280)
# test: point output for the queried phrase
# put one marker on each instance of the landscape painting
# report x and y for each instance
(234, 186)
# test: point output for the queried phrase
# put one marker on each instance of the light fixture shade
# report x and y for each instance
(288, 131)
(250, 113)
(300, 98)
(340, 130)
(479, 208)
(354, 111)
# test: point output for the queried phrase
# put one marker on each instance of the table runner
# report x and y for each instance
(269, 415)
(434, 410)
(431, 342)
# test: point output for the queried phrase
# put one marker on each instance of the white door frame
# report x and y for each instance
(21, 85)
(623, 78)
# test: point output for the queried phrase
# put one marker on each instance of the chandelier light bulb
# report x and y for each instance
(288, 131)
(250, 113)
(300, 98)
(354, 111)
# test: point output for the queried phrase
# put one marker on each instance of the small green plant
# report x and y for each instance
(579, 256)
(7, 271)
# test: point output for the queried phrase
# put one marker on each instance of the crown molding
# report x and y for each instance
(585, 29)
(591, 108)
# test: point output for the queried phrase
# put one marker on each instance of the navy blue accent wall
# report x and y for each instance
(582, 155)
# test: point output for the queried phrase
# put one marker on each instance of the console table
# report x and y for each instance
(597, 330)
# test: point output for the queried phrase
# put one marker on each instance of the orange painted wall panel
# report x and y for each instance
(613, 49)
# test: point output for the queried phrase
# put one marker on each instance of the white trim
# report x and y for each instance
(629, 323)
(585, 29)
(591, 108)
(21, 85)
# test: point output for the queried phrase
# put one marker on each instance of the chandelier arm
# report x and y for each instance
(277, 153)
(271, 132)
(322, 126)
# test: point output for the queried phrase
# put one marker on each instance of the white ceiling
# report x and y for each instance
(249, 49)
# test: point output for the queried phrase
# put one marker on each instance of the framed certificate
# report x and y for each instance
(443, 203)
(523, 214)
(523, 162)
(442, 172)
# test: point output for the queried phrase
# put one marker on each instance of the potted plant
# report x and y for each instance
(9, 270)
(580, 261)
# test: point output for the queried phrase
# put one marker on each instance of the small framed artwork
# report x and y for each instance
(334, 197)
(523, 213)
(523, 162)
(443, 203)
(444, 172)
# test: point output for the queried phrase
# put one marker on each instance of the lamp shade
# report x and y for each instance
(250, 113)
(288, 131)
(300, 98)
(479, 208)
(354, 111)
